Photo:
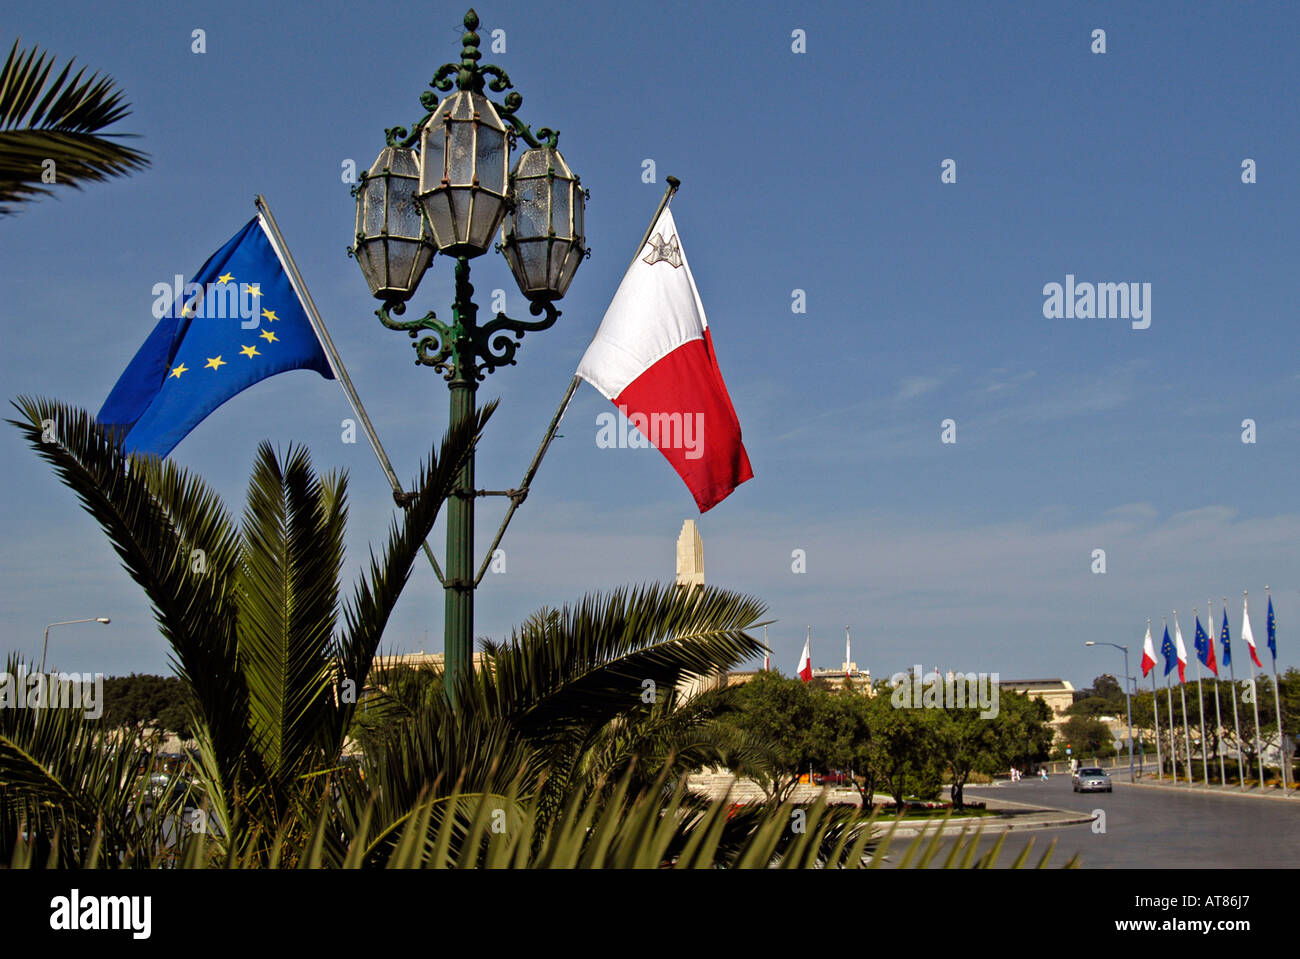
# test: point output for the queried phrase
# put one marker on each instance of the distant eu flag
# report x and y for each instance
(1167, 650)
(1272, 630)
(236, 323)
(1205, 647)
(1223, 638)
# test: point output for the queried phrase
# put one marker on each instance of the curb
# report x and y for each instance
(1200, 790)
(993, 827)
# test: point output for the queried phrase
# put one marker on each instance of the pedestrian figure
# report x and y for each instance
(1043, 773)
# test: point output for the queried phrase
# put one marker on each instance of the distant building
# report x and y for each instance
(859, 680)
(1057, 693)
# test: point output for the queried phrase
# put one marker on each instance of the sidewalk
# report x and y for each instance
(1250, 792)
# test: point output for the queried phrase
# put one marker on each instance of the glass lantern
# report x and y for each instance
(393, 245)
(465, 159)
(543, 237)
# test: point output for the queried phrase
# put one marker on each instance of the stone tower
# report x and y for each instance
(690, 576)
(690, 556)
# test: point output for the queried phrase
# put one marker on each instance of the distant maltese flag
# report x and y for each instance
(653, 358)
(1182, 652)
(1148, 652)
(1246, 632)
(805, 662)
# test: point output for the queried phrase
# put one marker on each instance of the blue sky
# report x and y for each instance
(815, 171)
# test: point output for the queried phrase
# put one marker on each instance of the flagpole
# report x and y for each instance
(1155, 709)
(1236, 719)
(1173, 737)
(332, 354)
(518, 494)
(1277, 699)
(1182, 694)
(1254, 699)
(1218, 715)
(1200, 707)
(1169, 699)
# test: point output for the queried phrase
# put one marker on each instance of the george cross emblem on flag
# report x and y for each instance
(666, 250)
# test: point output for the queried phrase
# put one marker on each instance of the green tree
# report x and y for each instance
(842, 738)
(782, 712)
(1087, 737)
(905, 745)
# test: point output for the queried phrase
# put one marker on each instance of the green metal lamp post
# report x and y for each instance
(445, 187)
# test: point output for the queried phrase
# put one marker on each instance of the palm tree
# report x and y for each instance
(252, 612)
(50, 133)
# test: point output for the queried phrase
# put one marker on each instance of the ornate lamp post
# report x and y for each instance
(445, 186)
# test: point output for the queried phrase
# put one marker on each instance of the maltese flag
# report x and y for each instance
(1148, 652)
(1182, 652)
(653, 358)
(805, 662)
(1247, 634)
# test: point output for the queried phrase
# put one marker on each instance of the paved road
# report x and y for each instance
(1156, 828)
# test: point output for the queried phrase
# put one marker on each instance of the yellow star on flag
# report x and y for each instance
(268, 336)
(225, 277)
(255, 289)
(178, 371)
(250, 351)
(214, 362)
(270, 315)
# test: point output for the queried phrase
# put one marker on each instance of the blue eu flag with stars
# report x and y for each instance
(236, 323)
(1167, 650)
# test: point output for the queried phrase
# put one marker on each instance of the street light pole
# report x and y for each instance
(45, 643)
(446, 188)
(1128, 701)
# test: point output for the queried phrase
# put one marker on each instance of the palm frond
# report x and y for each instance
(288, 599)
(379, 589)
(59, 122)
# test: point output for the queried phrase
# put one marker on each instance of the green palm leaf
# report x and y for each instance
(60, 122)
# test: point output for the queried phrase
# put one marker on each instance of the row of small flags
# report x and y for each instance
(1175, 652)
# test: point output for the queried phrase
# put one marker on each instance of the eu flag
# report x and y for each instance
(236, 323)
(1167, 650)
(1272, 630)
(1223, 638)
(1205, 647)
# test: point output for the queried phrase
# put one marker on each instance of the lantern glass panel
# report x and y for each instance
(372, 207)
(492, 160)
(560, 209)
(530, 216)
(461, 168)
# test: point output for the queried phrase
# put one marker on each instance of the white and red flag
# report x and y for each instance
(805, 662)
(1182, 651)
(1148, 652)
(1247, 633)
(653, 358)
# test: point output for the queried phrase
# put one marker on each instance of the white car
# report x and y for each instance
(1092, 779)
